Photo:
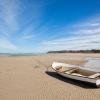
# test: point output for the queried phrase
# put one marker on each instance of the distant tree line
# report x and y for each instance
(75, 51)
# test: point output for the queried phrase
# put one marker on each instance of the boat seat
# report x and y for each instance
(71, 70)
(94, 75)
(76, 74)
(62, 69)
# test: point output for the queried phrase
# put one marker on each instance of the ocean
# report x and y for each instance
(92, 64)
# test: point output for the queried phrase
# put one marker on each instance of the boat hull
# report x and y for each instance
(88, 81)
(91, 81)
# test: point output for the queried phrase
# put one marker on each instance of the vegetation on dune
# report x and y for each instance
(76, 51)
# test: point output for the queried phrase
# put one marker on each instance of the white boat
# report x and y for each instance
(77, 73)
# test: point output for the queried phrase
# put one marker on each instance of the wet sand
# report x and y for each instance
(31, 78)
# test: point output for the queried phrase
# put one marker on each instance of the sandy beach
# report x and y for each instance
(31, 78)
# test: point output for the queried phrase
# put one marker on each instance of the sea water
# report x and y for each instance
(92, 64)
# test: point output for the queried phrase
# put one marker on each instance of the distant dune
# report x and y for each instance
(75, 51)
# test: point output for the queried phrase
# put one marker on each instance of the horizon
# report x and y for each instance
(39, 26)
(58, 51)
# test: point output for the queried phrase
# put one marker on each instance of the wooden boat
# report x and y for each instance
(77, 73)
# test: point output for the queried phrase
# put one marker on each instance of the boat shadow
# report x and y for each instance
(71, 81)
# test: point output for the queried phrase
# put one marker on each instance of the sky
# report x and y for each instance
(38, 26)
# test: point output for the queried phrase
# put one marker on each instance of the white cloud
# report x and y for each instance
(29, 31)
(88, 31)
(34, 26)
(11, 16)
(73, 43)
(9, 13)
(90, 24)
(75, 39)
(85, 37)
(85, 27)
(6, 44)
(26, 37)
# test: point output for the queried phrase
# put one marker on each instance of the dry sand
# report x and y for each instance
(27, 78)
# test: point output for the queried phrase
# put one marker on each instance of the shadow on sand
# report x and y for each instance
(73, 82)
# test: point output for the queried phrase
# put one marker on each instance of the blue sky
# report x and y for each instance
(42, 25)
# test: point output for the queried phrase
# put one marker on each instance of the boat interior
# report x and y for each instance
(78, 72)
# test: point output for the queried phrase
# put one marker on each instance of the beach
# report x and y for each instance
(31, 78)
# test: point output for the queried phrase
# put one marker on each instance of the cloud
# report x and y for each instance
(20, 20)
(73, 43)
(6, 44)
(90, 24)
(34, 26)
(9, 13)
(87, 26)
(27, 37)
(81, 36)
(88, 31)
(12, 19)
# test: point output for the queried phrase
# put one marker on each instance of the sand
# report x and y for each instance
(31, 78)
